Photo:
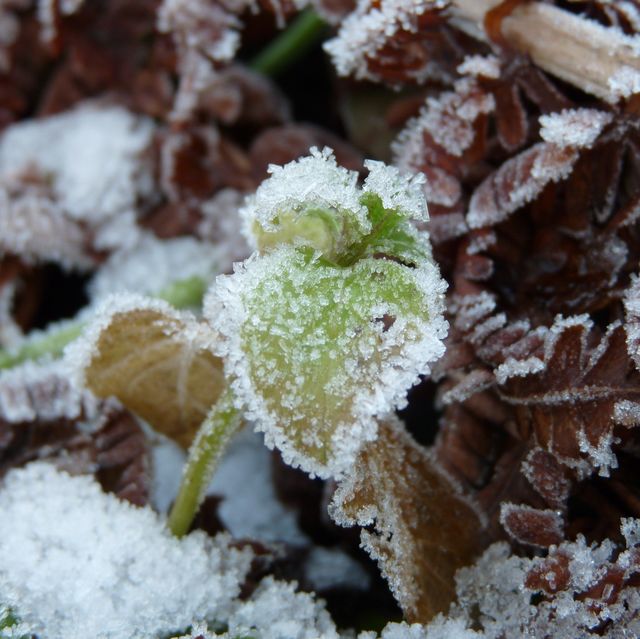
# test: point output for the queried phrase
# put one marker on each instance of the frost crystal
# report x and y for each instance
(578, 128)
(92, 158)
(479, 65)
(624, 83)
(77, 563)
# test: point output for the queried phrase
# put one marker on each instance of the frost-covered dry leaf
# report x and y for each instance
(632, 321)
(570, 403)
(35, 228)
(158, 362)
(42, 392)
(316, 351)
(424, 529)
(396, 41)
(518, 181)
(204, 34)
(578, 590)
(77, 563)
(449, 119)
(44, 416)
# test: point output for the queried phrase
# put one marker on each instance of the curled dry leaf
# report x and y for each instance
(155, 360)
(424, 530)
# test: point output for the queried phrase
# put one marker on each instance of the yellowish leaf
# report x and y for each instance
(156, 361)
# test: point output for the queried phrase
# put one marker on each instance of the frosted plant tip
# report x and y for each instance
(313, 203)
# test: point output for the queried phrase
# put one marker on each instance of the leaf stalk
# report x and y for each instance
(219, 426)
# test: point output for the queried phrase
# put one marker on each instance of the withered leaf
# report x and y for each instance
(423, 529)
(518, 181)
(156, 361)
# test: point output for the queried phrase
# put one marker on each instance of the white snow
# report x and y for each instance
(151, 264)
(92, 157)
(77, 563)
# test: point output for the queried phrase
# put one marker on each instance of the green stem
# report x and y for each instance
(187, 293)
(217, 429)
(301, 35)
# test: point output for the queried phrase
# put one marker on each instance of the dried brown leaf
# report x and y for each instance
(518, 181)
(423, 529)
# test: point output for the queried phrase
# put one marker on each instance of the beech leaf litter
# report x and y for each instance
(398, 240)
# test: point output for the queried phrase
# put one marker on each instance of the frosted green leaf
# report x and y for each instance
(316, 351)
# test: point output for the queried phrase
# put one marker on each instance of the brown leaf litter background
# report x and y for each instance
(533, 411)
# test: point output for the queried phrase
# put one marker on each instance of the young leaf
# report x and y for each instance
(315, 351)
(424, 530)
(155, 360)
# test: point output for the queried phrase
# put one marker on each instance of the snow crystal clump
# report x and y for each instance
(439, 628)
(574, 127)
(92, 157)
(152, 264)
(486, 66)
(276, 610)
(77, 563)
(315, 181)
